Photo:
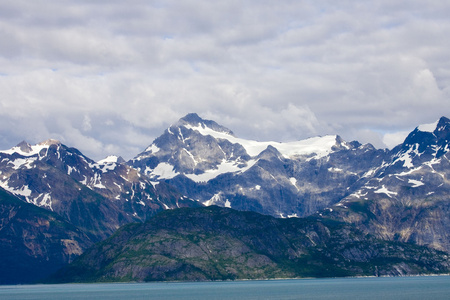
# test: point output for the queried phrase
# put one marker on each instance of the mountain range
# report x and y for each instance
(398, 195)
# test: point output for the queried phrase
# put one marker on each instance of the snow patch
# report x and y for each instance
(164, 171)
(227, 204)
(415, 183)
(105, 165)
(214, 199)
(109, 159)
(321, 146)
(370, 173)
(406, 158)
(153, 149)
(33, 150)
(84, 181)
(384, 190)
(45, 201)
(340, 204)
(22, 191)
(293, 181)
(224, 167)
(359, 194)
(97, 181)
(22, 162)
(408, 172)
(69, 170)
(428, 127)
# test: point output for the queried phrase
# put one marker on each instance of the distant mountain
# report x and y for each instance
(399, 195)
(408, 196)
(206, 162)
(34, 242)
(96, 197)
(220, 244)
(56, 202)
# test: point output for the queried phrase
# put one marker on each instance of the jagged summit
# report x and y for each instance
(194, 146)
(432, 139)
(24, 147)
(440, 125)
(192, 120)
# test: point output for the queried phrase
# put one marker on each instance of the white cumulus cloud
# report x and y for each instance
(107, 77)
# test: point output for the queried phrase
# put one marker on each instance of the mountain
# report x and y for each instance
(34, 242)
(397, 196)
(206, 162)
(214, 243)
(56, 202)
(97, 197)
(407, 198)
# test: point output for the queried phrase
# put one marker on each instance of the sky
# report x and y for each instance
(108, 77)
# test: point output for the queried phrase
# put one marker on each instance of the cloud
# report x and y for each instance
(108, 77)
(393, 139)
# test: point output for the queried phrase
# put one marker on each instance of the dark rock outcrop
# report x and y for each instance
(34, 242)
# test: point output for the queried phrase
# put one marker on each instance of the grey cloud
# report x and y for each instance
(108, 77)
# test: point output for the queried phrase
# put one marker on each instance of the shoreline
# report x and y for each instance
(219, 281)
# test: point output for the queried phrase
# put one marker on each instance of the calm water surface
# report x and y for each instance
(432, 287)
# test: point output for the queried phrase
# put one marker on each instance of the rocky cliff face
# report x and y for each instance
(34, 242)
(217, 244)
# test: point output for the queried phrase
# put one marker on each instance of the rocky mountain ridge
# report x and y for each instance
(215, 243)
(97, 197)
(206, 162)
(399, 195)
(408, 196)
(211, 165)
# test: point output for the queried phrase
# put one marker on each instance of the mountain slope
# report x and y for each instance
(34, 242)
(206, 162)
(408, 197)
(400, 194)
(96, 197)
(215, 243)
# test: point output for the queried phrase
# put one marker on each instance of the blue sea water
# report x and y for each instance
(427, 287)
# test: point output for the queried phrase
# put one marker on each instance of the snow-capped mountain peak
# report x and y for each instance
(428, 127)
(194, 120)
(320, 146)
(25, 149)
(429, 140)
(203, 150)
(439, 125)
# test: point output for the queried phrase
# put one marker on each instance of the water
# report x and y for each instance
(432, 287)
